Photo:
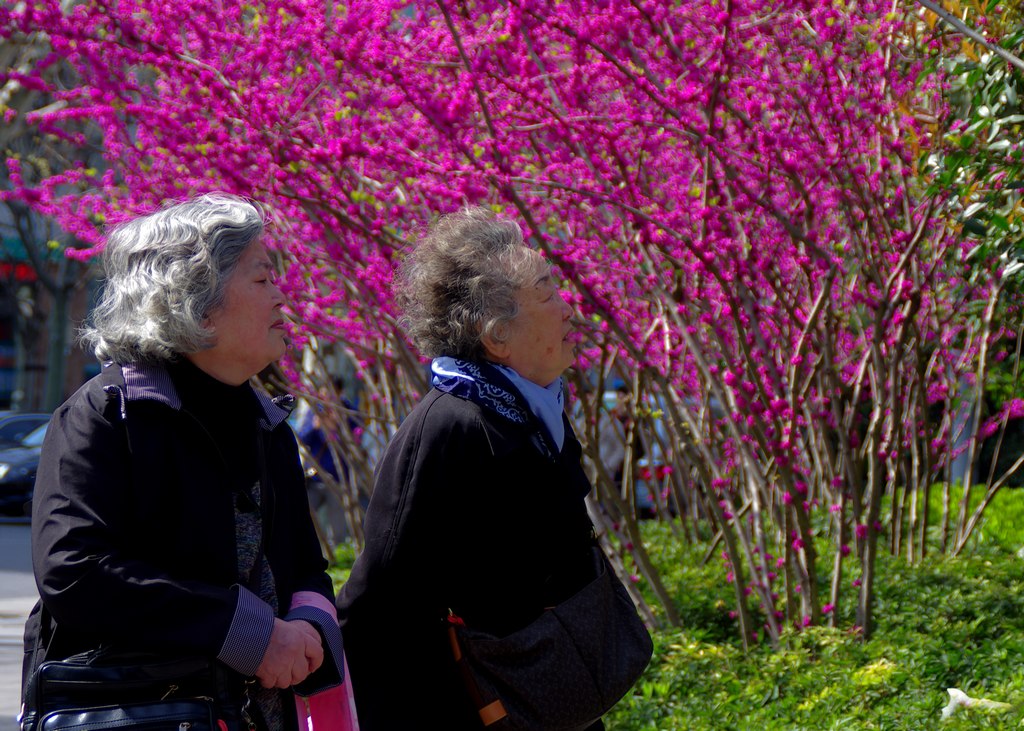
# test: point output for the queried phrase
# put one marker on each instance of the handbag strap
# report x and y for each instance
(35, 659)
(490, 713)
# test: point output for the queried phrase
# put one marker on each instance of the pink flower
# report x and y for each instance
(704, 270)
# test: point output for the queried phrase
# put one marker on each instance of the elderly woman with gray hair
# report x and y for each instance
(170, 514)
(478, 502)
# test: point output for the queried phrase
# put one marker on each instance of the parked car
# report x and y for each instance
(15, 426)
(18, 465)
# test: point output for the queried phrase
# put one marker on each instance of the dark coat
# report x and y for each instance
(135, 546)
(466, 514)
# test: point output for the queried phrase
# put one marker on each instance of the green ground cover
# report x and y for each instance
(948, 623)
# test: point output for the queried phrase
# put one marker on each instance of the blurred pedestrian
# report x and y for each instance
(329, 478)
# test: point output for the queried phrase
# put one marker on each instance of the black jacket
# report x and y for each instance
(133, 540)
(466, 514)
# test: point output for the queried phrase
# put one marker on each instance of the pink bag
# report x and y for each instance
(333, 709)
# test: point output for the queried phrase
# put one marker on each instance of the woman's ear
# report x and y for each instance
(496, 350)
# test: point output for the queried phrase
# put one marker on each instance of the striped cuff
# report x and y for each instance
(249, 634)
(332, 672)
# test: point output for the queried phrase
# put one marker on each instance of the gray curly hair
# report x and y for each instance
(460, 281)
(165, 273)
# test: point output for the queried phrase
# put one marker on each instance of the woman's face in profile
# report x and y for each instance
(248, 327)
(539, 344)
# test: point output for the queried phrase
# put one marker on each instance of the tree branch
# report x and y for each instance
(947, 17)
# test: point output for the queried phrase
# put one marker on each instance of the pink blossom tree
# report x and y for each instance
(731, 190)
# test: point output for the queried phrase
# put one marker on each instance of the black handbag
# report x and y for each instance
(564, 670)
(193, 715)
(101, 689)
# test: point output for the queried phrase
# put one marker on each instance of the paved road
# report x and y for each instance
(17, 595)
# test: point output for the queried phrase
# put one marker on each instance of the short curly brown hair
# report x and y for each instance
(460, 281)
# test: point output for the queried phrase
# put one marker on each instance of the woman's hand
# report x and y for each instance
(294, 652)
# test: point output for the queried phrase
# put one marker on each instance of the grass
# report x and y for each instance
(947, 623)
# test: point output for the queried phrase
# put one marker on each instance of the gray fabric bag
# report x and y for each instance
(564, 670)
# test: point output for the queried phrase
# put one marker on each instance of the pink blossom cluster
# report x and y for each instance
(729, 191)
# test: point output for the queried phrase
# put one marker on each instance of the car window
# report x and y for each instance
(35, 437)
(15, 428)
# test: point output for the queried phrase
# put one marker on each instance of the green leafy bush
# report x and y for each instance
(946, 623)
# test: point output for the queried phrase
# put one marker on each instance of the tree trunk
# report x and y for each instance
(56, 357)
(864, 599)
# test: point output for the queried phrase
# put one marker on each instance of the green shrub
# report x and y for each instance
(948, 623)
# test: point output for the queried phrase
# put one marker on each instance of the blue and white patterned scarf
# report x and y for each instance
(506, 393)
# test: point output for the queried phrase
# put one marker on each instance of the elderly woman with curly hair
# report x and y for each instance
(478, 502)
(170, 514)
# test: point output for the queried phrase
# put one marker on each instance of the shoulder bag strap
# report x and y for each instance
(490, 713)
